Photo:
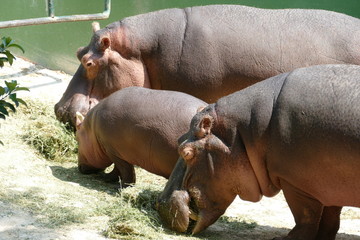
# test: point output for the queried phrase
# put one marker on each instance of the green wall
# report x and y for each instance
(55, 45)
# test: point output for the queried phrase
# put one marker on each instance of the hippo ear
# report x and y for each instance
(205, 126)
(105, 43)
(95, 26)
(79, 120)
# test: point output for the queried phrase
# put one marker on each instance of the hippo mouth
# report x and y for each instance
(183, 213)
(193, 216)
(80, 103)
(200, 215)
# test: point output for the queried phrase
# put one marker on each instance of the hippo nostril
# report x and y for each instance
(92, 103)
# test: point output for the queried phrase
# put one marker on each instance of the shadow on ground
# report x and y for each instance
(231, 230)
(91, 181)
(224, 228)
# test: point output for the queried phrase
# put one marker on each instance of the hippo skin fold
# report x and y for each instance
(298, 132)
(207, 51)
(135, 126)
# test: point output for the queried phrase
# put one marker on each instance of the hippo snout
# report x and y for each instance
(175, 212)
(61, 114)
(65, 110)
(84, 169)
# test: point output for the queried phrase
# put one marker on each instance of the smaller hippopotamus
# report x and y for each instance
(135, 126)
(298, 132)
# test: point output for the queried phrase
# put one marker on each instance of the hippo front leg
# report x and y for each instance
(126, 172)
(112, 176)
(329, 224)
(306, 211)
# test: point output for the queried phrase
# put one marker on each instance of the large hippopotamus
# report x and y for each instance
(298, 132)
(208, 51)
(135, 126)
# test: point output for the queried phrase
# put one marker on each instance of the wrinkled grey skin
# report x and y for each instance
(135, 126)
(207, 52)
(297, 132)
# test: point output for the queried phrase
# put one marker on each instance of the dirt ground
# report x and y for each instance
(21, 171)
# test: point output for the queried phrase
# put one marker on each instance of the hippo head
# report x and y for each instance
(215, 173)
(107, 65)
(91, 159)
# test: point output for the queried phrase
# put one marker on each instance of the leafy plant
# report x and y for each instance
(9, 91)
(7, 42)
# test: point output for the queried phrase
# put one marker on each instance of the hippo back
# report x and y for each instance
(142, 126)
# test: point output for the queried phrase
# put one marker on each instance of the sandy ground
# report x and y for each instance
(272, 215)
(42, 82)
(19, 175)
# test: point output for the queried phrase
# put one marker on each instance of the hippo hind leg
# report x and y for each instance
(329, 224)
(307, 213)
(125, 171)
(112, 176)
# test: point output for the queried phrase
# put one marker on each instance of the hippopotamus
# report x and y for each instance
(206, 51)
(298, 132)
(134, 126)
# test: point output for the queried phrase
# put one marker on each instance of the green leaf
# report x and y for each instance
(7, 104)
(2, 116)
(14, 99)
(21, 89)
(8, 41)
(3, 59)
(17, 46)
(6, 90)
(22, 101)
(11, 85)
(10, 57)
(3, 42)
(2, 91)
(4, 111)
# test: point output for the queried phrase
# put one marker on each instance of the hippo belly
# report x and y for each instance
(316, 136)
(326, 169)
